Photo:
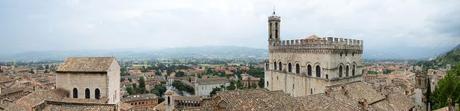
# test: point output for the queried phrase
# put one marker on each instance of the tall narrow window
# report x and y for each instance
(75, 93)
(309, 70)
(347, 70)
(274, 66)
(297, 68)
(340, 71)
(169, 100)
(270, 29)
(318, 71)
(276, 30)
(266, 66)
(281, 66)
(353, 70)
(87, 93)
(97, 93)
(289, 67)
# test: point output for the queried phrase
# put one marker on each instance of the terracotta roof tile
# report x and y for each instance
(86, 64)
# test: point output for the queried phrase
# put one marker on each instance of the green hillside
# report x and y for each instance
(452, 57)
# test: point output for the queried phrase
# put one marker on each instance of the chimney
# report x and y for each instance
(364, 104)
(328, 91)
(344, 91)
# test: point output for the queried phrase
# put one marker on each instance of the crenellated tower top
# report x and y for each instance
(312, 42)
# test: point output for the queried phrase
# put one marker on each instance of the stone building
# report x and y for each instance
(249, 81)
(307, 66)
(204, 86)
(175, 102)
(141, 102)
(90, 78)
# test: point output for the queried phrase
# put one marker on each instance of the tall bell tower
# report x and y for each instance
(273, 29)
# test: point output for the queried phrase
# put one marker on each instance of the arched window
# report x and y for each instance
(297, 68)
(353, 70)
(281, 66)
(340, 71)
(347, 70)
(97, 93)
(75, 93)
(87, 93)
(318, 71)
(309, 70)
(274, 66)
(289, 67)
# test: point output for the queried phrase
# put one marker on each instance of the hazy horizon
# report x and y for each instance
(410, 28)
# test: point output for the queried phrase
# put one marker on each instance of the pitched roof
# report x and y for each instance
(335, 100)
(86, 64)
(69, 106)
(139, 97)
(213, 80)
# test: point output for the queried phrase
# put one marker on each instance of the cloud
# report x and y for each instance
(151, 24)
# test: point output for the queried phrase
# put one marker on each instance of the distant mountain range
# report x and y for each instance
(212, 52)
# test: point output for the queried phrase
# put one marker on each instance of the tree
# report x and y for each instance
(123, 71)
(159, 90)
(231, 86)
(372, 72)
(261, 82)
(239, 85)
(183, 87)
(387, 71)
(141, 88)
(158, 72)
(180, 74)
(214, 91)
(448, 87)
(130, 90)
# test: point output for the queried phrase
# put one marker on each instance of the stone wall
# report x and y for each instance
(108, 83)
(81, 81)
(114, 83)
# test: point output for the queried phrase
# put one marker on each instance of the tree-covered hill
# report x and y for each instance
(452, 57)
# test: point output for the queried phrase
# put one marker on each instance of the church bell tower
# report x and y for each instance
(273, 29)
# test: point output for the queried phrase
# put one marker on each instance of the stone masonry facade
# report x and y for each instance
(307, 66)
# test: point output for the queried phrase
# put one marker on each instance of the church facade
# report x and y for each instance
(308, 66)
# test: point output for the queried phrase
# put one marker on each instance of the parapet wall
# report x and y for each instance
(318, 43)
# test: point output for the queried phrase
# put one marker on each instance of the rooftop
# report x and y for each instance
(213, 80)
(359, 96)
(139, 97)
(86, 64)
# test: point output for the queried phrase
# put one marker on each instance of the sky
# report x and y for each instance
(401, 28)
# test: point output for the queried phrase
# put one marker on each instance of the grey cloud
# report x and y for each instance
(118, 24)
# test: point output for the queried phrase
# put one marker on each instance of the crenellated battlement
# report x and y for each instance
(318, 43)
